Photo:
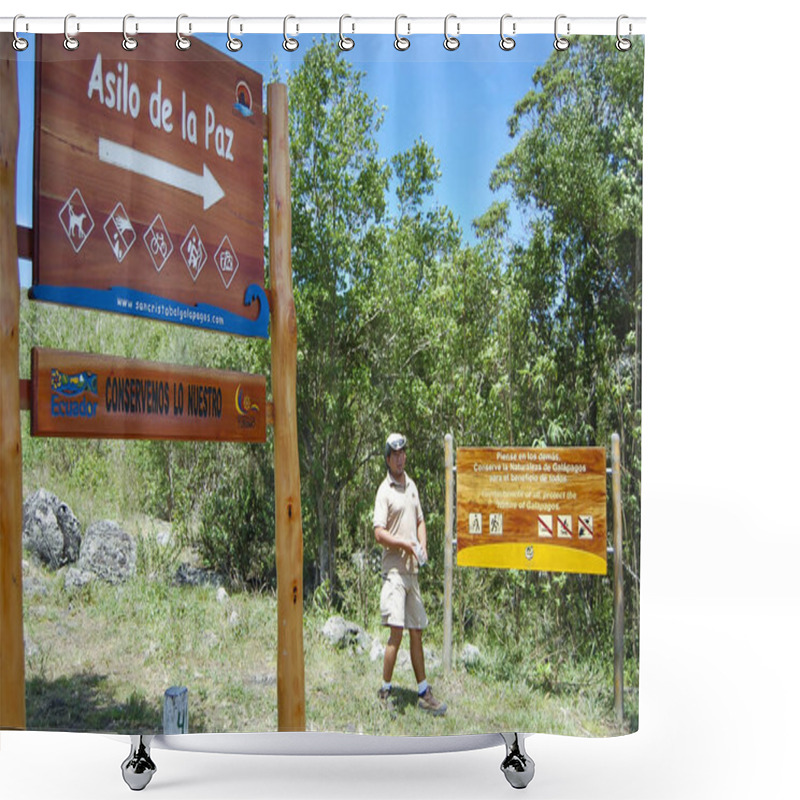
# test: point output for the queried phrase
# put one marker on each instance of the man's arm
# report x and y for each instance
(382, 536)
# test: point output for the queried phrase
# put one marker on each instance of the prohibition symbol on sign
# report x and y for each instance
(76, 220)
(564, 526)
(159, 243)
(194, 252)
(545, 525)
(585, 526)
(119, 232)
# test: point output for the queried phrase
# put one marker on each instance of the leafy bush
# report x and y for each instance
(236, 530)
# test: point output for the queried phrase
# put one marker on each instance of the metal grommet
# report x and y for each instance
(623, 44)
(128, 42)
(345, 43)
(506, 42)
(19, 44)
(70, 42)
(289, 44)
(181, 42)
(400, 42)
(560, 42)
(233, 44)
(451, 43)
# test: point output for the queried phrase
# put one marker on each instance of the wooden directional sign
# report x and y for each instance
(149, 185)
(532, 508)
(105, 397)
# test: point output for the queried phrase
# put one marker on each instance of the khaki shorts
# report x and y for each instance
(401, 602)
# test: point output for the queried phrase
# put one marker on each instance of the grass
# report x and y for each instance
(100, 659)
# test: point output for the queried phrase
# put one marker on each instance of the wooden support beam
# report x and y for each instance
(24, 394)
(283, 321)
(449, 507)
(25, 242)
(619, 595)
(12, 649)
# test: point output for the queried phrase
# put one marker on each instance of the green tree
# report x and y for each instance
(575, 176)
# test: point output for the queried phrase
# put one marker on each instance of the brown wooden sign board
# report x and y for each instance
(532, 508)
(149, 182)
(106, 397)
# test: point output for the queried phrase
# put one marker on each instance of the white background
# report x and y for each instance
(719, 698)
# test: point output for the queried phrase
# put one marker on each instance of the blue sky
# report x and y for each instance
(458, 101)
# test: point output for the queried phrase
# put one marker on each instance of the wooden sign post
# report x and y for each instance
(619, 595)
(12, 649)
(288, 522)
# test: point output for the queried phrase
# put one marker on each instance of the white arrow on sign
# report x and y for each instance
(125, 157)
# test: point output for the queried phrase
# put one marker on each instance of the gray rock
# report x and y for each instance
(341, 633)
(470, 655)
(187, 575)
(50, 531)
(75, 578)
(432, 659)
(164, 537)
(109, 552)
(222, 595)
(377, 650)
(33, 586)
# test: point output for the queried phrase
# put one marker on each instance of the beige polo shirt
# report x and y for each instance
(397, 508)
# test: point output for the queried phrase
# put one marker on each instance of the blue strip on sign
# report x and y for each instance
(122, 300)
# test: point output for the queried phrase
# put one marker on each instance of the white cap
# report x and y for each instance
(395, 441)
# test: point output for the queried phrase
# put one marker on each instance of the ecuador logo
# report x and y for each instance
(70, 394)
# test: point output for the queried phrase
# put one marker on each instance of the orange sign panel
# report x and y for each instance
(149, 184)
(105, 397)
(532, 508)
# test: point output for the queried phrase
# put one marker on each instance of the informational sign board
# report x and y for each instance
(149, 182)
(105, 397)
(532, 508)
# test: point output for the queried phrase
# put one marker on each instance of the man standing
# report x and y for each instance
(400, 528)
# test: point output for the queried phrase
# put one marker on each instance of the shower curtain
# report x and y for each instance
(466, 236)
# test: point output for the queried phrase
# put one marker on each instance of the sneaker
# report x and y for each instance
(427, 702)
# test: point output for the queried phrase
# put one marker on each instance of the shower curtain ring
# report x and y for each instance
(401, 42)
(19, 44)
(289, 44)
(233, 43)
(623, 44)
(507, 42)
(128, 42)
(345, 43)
(181, 42)
(451, 43)
(70, 42)
(560, 43)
